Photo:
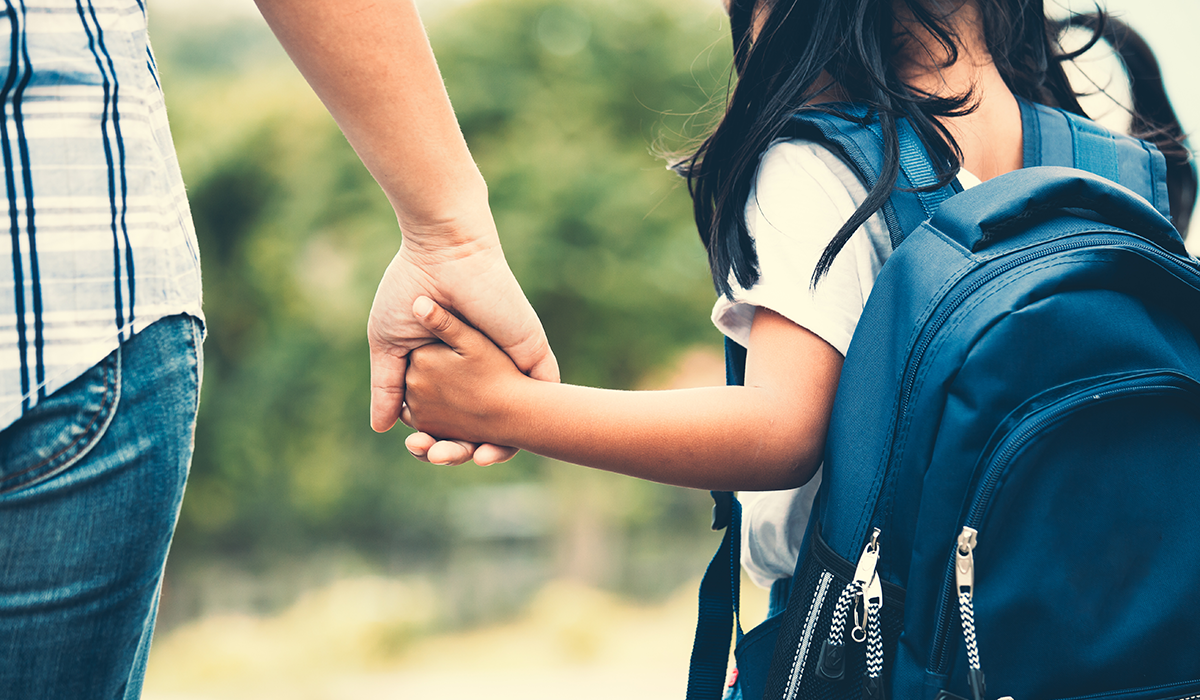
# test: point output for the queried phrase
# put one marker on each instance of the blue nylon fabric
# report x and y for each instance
(1059, 138)
(1096, 155)
(720, 594)
(876, 359)
(1096, 292)
(1014, 201)
(921, 278)
(862, 148)
(718, 611)
(1113, 338)
(1108, 307)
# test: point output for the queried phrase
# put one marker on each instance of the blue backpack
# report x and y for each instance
(1011, 484)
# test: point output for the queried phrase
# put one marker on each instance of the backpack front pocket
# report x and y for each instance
(1079, 533)
(1188, 690)
(841, 626)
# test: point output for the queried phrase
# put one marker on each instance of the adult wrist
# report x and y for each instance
(465, 220)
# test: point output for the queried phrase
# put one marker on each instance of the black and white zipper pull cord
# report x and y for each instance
(832, 663)
(873, 682)
(964, 575)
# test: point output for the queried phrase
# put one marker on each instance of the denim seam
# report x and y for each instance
(197, 358)
(112, 397)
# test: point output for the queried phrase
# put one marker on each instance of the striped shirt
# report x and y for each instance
(96, 239)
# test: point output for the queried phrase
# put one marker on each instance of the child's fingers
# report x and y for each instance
(445, 325)
(450, 452)
(487, 455)
(418, 445)
(427, 448)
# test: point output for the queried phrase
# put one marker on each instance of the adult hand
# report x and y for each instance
(463, 387)
(371, 64)
(471, 277)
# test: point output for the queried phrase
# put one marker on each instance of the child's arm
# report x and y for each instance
(766, 435)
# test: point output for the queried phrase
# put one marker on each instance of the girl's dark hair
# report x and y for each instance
(854, 42)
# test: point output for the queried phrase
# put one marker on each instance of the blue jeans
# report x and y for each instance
(91, 482)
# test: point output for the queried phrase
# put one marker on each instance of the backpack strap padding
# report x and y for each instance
(1055, 137)
(985, 214)
(861, 146)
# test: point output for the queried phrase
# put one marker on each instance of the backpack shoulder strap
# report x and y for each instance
(719, 604)
(1051, 137)
(1057, 137)
(855, 135)
(720, 589)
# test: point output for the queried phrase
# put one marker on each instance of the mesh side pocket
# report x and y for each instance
(806, 625)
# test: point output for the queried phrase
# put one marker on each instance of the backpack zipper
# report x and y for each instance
(873, 682)
(832, 662)
(946, 308)
(1010, 446)
(964, 575)
(1141, 691)
(810, 624)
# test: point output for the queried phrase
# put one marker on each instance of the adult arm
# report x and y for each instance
(768, 434)
(370, 63)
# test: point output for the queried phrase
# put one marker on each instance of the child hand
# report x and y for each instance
(460, 388)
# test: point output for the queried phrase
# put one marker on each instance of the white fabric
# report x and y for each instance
(99, 241)
(802, 195)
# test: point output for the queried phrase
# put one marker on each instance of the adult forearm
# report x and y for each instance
(370, 63)
(711, 438)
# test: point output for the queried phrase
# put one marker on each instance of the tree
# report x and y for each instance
(563, 105)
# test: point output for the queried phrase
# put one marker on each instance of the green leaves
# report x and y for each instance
(563, 105)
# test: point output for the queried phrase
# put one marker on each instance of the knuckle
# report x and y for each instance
(443, 322)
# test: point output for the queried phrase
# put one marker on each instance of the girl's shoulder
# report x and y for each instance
(803, 194)
(803, 180)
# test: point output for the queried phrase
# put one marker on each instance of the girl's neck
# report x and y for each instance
(989, 136)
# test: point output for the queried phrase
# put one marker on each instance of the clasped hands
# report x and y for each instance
(475, 281)
(464, 388)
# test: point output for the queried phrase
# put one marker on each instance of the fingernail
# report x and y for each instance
(422, 306)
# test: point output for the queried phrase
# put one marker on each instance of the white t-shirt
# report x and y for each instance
(802, 195)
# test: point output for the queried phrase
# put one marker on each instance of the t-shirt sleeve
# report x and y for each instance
(801, 197)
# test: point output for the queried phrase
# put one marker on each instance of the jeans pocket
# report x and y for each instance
(61, 429)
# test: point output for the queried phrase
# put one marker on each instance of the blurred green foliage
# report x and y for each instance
(565, 106)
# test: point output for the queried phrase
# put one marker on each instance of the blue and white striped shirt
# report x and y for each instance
(96, 239)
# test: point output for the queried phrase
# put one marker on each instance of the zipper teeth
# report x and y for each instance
(814, 611)
(1118, 693)
(909, 377)
(947, 309)
(1010, 447)
(1131, 385)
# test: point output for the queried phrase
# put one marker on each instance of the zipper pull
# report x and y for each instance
(873, 682)
(864, 573)
(964, 561)
(832, 662)
(964, 576)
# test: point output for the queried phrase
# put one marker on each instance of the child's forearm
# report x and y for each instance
(724, 438)
(766, 435)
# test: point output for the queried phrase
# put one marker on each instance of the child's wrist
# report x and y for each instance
(514, 413)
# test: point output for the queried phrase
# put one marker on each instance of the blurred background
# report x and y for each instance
(316, 559)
